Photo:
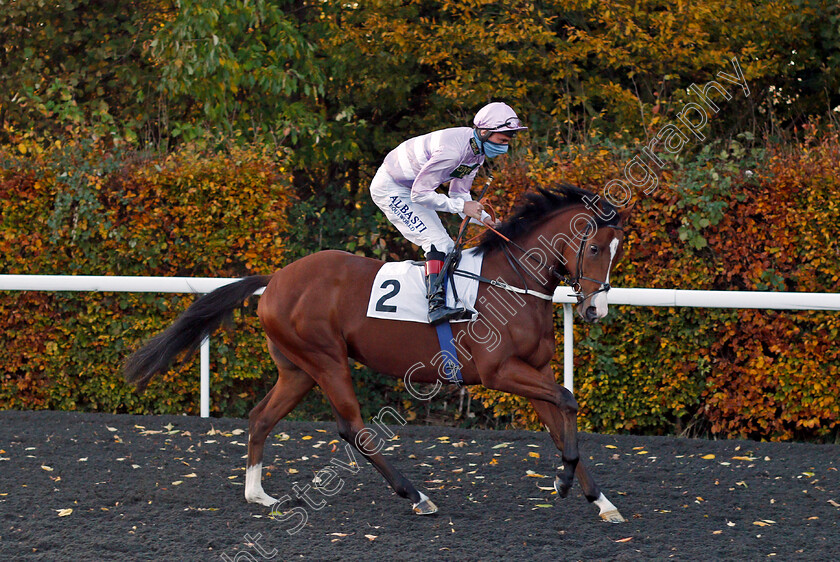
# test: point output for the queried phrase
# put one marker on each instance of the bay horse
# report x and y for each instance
(313, 312)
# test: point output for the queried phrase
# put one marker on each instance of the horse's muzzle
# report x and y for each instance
(594, 306)
(591, 314)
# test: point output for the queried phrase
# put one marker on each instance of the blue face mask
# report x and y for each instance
(492, 149)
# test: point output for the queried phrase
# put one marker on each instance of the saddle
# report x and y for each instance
(399, 290)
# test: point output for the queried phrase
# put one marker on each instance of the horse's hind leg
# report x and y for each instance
(338, 386)
(354, 433)
(291, 386)
(552, 418)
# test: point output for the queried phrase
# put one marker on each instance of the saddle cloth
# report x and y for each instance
(399, 290)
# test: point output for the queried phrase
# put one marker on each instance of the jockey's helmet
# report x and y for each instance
(498, 117)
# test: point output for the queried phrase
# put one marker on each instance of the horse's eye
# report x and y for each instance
(593, 249)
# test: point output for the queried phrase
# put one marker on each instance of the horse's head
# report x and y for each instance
(569, 230)
(590, 262)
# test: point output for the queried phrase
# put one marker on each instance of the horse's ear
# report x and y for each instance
(624, 215)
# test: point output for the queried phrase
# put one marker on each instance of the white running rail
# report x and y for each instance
(616, 296)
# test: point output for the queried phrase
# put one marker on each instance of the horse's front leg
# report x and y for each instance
(517, 377)
(551, 417)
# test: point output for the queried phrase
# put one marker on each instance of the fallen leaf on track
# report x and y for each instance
(628, 539)
(371, 537)
(64, 512)
(610, 446)
(47, 468)
(834, 503)
(744, 458)
(707, 457)
(535, 455)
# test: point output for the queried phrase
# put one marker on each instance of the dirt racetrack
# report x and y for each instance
(171, 488)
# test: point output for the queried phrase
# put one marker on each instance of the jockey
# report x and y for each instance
(404, 188)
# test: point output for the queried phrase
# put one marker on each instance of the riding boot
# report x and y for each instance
(436, 290)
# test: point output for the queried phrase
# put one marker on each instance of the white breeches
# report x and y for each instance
(417, 223)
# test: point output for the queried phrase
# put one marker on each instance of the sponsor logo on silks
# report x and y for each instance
(462, 170)
(405, 214)
(474, 146)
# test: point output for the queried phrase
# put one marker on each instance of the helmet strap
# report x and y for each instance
(483, 136)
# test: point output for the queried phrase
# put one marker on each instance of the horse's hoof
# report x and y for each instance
(562, 489)
(262, 499)
(612, 517)
(424, 506)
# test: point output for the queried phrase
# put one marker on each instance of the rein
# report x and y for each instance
(518, 267)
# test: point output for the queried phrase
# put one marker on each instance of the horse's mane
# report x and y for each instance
(536, 207)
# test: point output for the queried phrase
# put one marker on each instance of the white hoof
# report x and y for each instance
(612, 517)
(262, 498)
(609, 512)
(424, 506)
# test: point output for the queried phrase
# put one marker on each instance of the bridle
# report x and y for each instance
(573, 282)
(517, 265)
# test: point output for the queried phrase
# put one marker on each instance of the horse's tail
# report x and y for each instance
(200, 320)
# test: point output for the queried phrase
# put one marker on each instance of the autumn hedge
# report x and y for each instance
(730, 217)
(79, 209)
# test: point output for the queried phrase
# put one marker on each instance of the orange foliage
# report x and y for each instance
(745, 373)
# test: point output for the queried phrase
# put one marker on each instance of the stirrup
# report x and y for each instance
(438, 311)
(446, 314)
(436, 296)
